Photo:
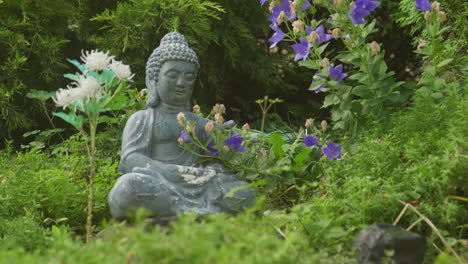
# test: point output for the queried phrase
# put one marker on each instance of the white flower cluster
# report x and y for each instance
(97, 61)
(80, 92)
(88, 87)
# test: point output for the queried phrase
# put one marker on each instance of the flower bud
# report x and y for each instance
(263, 152)
(374, 47)
(272, 5)
(181, 118)
(427, 16)
(219, 119)
(229, 124)
(293, 7)
(325, 63)
(309, 122)
(218, 108)
(222, 109)
(436, 6)
(336, 33)
(143, 92)
(209, 126)
(225, 149)
(196, 109)
(324, 125)
(442, 16)
(337, 2)
(281, 17)
(313, 37)
(180, 140)
(246, 127)
(298, 26)
(422, 43)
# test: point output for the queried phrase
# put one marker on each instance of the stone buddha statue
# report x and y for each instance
(159, 175)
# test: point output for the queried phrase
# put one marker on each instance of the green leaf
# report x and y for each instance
(49, 132)
(444, 62)
(309, 64)
(299, 158)
(108, 120)
(118, 102)
(39, 94)
(74, 120)
(330, 99)
(322, 48)
(362, 91)
(80, 66)
(73, 77)
(34, 132)
(277, 145)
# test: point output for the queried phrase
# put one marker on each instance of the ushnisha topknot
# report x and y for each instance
(173, 46)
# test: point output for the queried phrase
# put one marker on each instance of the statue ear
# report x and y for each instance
(153, 97)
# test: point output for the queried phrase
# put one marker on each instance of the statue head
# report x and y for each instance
(173, 47)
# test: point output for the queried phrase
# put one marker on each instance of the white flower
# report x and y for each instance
(91, 88)
(96, 60)
(64, 97)
(122, 71)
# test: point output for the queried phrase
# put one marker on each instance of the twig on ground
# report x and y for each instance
(429, 222)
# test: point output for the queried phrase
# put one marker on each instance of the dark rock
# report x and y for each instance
(375, 240)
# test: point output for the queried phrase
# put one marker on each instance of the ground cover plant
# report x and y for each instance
(387, 140)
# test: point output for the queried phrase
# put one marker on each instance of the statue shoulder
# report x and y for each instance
(140, 117)
(194, 117)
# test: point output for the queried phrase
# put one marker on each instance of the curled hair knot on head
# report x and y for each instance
(173, 46)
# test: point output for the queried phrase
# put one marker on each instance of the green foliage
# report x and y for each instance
(41, 186)
(32, 42)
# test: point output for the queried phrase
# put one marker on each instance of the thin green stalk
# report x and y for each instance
(92, 159)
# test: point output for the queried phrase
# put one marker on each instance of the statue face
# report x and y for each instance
(175, 82)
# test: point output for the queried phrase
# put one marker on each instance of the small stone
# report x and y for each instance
(373, 242)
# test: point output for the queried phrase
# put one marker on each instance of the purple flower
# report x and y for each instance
(277, 36)
(317, 75)
(311, 141)
(286, 7)
(337, 74)
(302, 49)
(361, 9)
(235, 142)
(323, 37)
(229, 124)
(332, 151)
(263, 2)
(423, 5)
(185, 136)
(211, 149)
(306, 5)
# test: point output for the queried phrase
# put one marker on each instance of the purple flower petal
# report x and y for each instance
(185, 136)
(311, 141)
(318, 89)
(306, 5)
(302, 49)
(332, 151)
(277, 36)
(336, 74)
(362, 9)
(323, 36)
(229, 124)
(423, 5)
(235, 143)
(262, 2)
(212, 150)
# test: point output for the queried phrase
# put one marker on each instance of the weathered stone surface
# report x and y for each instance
(159, 174)
(372, 242)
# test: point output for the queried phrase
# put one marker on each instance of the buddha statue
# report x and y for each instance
(158, 174)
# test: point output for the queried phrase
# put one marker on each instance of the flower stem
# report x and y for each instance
(92, 159)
